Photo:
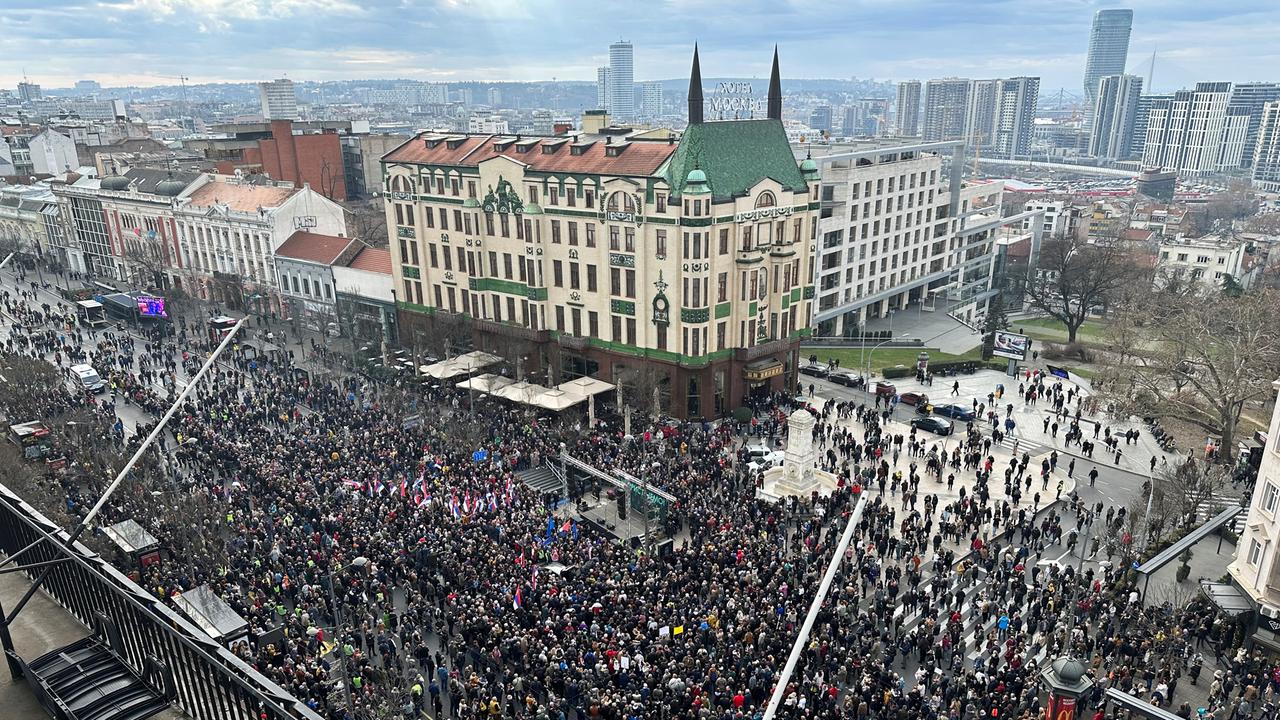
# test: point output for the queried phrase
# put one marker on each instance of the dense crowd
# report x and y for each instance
(404, 572)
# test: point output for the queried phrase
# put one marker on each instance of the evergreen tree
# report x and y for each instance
(997, 319)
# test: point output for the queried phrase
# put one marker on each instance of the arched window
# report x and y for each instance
(625, 204)
(766, 199)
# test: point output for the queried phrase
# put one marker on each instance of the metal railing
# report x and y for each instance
(211, 682)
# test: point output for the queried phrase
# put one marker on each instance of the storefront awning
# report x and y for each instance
(520, 392)
(762, 370)
(558, 399)
(1226, 597)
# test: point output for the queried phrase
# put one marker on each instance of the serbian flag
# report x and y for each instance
(379, 487)
(466, 503)
(493, 502)
(510, 492)
(518, 600)
(353, 484)
(534, 582)
(453, 506)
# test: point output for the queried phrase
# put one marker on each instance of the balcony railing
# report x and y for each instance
(212, 683)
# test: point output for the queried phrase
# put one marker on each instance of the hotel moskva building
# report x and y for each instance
(689, 260)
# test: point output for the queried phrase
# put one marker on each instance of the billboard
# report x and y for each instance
(1011, 345)
(151, 306)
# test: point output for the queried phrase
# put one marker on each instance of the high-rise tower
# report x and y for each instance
(622, 88)
(1108, 50)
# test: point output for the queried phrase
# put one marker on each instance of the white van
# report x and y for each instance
(88, 378)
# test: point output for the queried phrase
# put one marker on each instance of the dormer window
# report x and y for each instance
(454, 143)
(615, 150)
(432, 143)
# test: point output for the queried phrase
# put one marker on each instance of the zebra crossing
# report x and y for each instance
(1017, 446)
(1207, 508)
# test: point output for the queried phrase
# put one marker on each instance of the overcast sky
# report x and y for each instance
(150, 42)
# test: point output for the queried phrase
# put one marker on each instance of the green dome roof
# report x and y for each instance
(695, 183)
(115, 182)
(696, 176)
(170, 186)
(808, 166)
(531, 209)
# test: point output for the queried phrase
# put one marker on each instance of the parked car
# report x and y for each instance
(846, 379)
(885, 388)
(933, 424)
(818, 371)
(88, 378)
(913, 398)
(762, 458)
(955, 412)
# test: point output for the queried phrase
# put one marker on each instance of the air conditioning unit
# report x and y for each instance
(1269, 611)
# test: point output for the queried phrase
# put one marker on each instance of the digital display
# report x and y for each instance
(1011, 345)
(151, 306)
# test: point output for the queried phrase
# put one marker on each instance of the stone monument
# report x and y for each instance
(797, 475)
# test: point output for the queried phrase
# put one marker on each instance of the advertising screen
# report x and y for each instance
(151, 306)
(1011, 345)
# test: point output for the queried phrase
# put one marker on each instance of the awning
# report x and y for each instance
(762, 370)
(585, 386)
(558, 399)
(462, 365)
(486, 383)
(1226, 597)
(131, 537)
(211, 614)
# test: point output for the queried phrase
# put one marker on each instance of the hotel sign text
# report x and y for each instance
(762, 213)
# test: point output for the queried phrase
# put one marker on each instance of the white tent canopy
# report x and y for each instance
(558, 399)
(521, 392)
(585, 386)
(486, 383)
(461, 365)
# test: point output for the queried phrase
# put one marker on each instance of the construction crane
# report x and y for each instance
(186, 109)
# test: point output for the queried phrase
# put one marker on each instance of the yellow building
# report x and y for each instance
(612, 255)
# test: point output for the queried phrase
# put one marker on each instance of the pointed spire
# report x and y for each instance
(695, 90)
(775, 89)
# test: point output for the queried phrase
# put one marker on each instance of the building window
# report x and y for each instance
(591, 278)
(631, 284)
(631, 239)
(615, 281)
(1270, 496)
(555, 231)
(1255, 552)
(557, 273)
(573, 231)
(593, 323)
(722, 287)
(591, 235)
(559, 318)
(444, 219)
(660, 244)
(662, 203)
(573, 277)
(724, 241)
(614, 243)
(554, 194)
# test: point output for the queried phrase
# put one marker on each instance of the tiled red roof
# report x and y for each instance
(373, 260)
(313, 247)
(641, 158)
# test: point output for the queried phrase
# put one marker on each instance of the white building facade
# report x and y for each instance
(1256, 568)
(1207, 260)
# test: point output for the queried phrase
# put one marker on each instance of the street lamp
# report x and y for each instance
(871, 354)
(359, 562)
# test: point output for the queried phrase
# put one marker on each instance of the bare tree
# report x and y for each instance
(645, 388)
(1075, 278)
(368, 222)
(1204, 356)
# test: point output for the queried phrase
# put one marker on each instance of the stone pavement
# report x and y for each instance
(934, 328)
(1030, 430)
(1002, 452)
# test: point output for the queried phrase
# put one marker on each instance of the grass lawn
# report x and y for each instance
(1053, 329)
(885, 357)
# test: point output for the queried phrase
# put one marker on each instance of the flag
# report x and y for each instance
(379, 487)
(568, 524)
(353, 484)
(404, 487)
(510, 492)
(534, 583)
(453, 506)
(518, 600)
(551, 528)
(574, 530)
(493, 502)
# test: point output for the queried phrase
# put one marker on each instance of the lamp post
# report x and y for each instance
(359, 562)
(872, 354)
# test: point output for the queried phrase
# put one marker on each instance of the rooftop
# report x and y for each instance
(636, 159)
(315, 248)
(735, 155)
(240, 197)
(372, 259)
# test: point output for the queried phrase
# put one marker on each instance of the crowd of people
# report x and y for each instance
(406, 571)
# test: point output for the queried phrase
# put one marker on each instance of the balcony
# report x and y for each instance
(501, 329)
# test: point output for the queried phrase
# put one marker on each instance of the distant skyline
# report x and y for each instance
(152, 42)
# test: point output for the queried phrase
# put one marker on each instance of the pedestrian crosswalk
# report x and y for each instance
(1017, 446)
(1207, 508)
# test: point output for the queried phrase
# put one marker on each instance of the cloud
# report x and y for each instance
(245, 40)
